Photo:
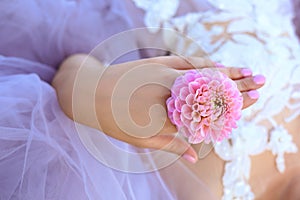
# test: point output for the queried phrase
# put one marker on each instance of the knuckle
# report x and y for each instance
(232, 72)
(199, 61)
(171, 146)
(208, 62)
(190, 60)
(244, 85)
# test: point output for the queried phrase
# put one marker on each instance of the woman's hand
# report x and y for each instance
(127, 101)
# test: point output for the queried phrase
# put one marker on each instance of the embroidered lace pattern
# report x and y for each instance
(251, 33)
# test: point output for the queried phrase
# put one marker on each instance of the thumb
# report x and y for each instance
(173, 144)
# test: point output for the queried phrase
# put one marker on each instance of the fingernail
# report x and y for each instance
(189, 158)
(246, 72)
(259, 79)
(219, 65)
(253, 94)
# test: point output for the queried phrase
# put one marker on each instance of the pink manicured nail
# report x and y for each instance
(259, 79)
(219, 65)
(253, 94)
(189, 158)
(246, 72)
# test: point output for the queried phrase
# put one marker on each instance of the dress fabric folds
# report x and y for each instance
(41, 154)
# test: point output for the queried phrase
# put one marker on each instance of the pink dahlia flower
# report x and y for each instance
(204, 105)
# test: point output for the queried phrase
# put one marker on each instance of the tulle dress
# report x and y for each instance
(45, 155)
(41, 153)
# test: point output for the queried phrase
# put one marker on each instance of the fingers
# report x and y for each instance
(249, 98)
(182, 64)
(250, 83)
(172, 144)
(242, 77)
(248, 87)
(236, 73)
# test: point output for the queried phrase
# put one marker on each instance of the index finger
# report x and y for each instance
(236, 73)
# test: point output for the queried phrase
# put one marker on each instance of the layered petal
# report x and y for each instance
(205, 105)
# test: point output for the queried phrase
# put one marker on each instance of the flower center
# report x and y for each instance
(219, 106)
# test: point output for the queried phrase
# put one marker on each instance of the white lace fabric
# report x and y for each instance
(257, 34)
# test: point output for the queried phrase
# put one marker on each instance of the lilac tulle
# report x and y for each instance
(41, 153)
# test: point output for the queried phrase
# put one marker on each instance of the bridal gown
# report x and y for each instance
(45, 155)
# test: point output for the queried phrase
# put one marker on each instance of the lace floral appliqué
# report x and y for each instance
(262, 35)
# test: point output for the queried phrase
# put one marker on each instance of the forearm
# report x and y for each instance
(84, 89)
(75, 84)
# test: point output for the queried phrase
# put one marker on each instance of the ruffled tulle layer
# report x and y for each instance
(42, 156)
